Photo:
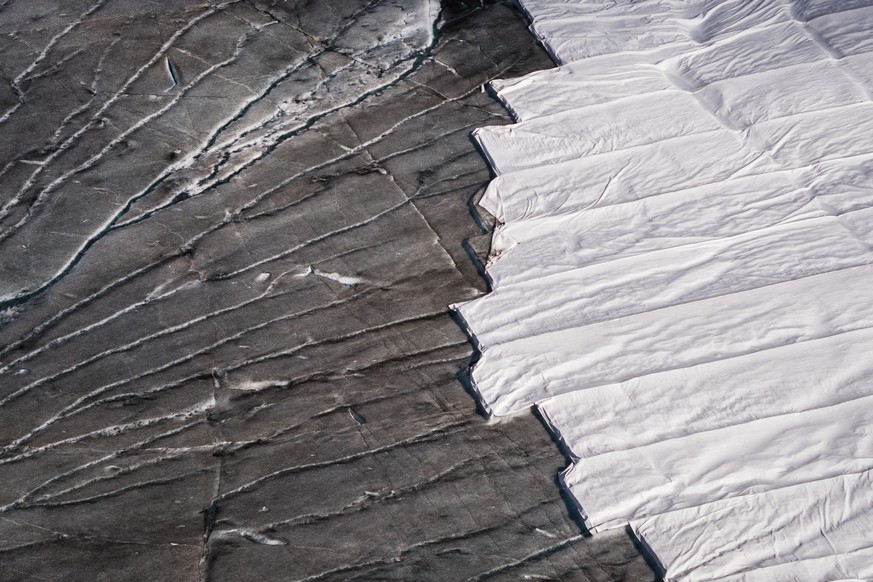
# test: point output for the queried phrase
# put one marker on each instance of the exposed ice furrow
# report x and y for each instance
(407, 549)
(67, 143)
(325, 236)
(10, 296)
(350, 152)
(82, 405)
(521, 561)
(23, 75)
(41, 197)
(120, 138)
(377, 164)
(251, 536)
(26, 497)
(87, 400)
(282, 134)
(369, 498)
(260, 197)
(266, 294)
(237, 144)
(38, 330)
(98, 70)
(352, 370)
(106, 432)
(680, 277)
(212, 145)
(422, 437)
(47, 501)
(105, 309)
(293, 350)
(311, 57)
(266, 193)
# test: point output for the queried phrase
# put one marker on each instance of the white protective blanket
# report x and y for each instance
(683, 276)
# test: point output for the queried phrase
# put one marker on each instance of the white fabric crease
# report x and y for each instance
(683, 277)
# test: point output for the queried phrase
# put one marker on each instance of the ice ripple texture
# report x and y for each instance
(683, 278)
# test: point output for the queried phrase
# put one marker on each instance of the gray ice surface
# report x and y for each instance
(229, 232)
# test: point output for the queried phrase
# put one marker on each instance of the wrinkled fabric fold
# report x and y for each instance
(682, 276)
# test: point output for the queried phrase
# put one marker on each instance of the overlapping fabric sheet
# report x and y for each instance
(683, 277)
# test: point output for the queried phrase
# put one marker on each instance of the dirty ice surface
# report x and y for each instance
(228, 233)
(683, 277)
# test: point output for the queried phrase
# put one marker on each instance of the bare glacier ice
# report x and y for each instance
(682, 277)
